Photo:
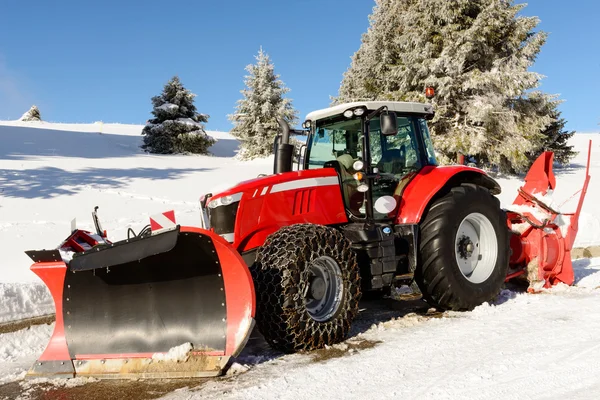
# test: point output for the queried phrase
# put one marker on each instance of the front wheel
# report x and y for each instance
(464, 249)
(307, 287)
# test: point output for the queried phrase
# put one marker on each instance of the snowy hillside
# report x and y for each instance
(522, 346)
(52, 173)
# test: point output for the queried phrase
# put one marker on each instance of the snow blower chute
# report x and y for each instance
(543, 236)
(168, 303)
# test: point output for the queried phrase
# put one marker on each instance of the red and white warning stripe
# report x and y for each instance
(162, 222)
(297, 184)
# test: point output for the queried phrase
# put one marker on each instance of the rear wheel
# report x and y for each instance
(307, 287)
(464, 249)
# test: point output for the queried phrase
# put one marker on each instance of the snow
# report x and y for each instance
(18, 350)
(22, 300)
(177, 353)
(522, 346)
(168, 107)
(519, 346)
(189, 121)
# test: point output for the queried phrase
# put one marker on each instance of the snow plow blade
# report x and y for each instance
(170, 305)
(543, 236)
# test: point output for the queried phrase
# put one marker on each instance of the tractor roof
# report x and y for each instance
(398, 106)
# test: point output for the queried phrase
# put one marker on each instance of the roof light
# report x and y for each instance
(359, 111)
(429, 92)
(348, 113)
(306, 124)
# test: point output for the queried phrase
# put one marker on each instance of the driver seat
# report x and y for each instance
(393, 161)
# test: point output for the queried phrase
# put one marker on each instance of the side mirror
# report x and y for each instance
(388, 123)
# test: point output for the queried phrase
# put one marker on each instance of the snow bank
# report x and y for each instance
(20, 300)
(19, 350)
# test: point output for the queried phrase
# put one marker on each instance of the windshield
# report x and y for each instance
(339, 143)
(334, 139)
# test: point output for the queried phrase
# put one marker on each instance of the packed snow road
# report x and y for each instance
(521, 346)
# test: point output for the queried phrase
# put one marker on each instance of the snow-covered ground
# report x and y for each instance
(522, 346)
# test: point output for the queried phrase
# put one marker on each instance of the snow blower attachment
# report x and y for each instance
(169, 303)
(543, 236)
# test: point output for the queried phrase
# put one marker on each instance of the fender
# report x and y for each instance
(429, 181)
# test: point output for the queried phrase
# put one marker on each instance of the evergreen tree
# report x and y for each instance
(476, 54)
(177, 126)
(33, 114)
(255, 118)
(556, 140)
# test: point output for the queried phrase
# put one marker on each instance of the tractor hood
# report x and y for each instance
(278, 183)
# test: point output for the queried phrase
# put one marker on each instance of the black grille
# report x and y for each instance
(222, 218)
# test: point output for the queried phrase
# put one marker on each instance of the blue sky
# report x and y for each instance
(83, 61)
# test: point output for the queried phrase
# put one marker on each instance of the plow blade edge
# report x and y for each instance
(174, 304)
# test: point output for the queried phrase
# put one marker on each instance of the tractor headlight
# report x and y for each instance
(358, 165)
(225, 200)
(348, 113)
(362, 187)
(359, 111)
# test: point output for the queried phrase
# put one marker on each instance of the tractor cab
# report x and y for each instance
(376, 147)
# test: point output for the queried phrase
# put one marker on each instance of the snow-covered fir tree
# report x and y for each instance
(477, 55)
(33, 114)
(255, 117)
(177, 126)
(555, 139)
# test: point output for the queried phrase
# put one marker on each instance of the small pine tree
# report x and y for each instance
(33, 114)
(255, 119)
(477, 54)
(177, 126)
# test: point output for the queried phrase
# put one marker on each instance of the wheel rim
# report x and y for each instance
(324, 291)
(476, 248)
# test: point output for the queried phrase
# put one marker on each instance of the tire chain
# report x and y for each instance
(281, 275)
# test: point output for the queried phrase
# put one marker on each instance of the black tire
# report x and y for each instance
(282, 273)
(438, 275)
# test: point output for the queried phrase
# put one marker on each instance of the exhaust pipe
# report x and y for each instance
(284, 151)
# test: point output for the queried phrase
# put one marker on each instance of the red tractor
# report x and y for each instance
(367, 209)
